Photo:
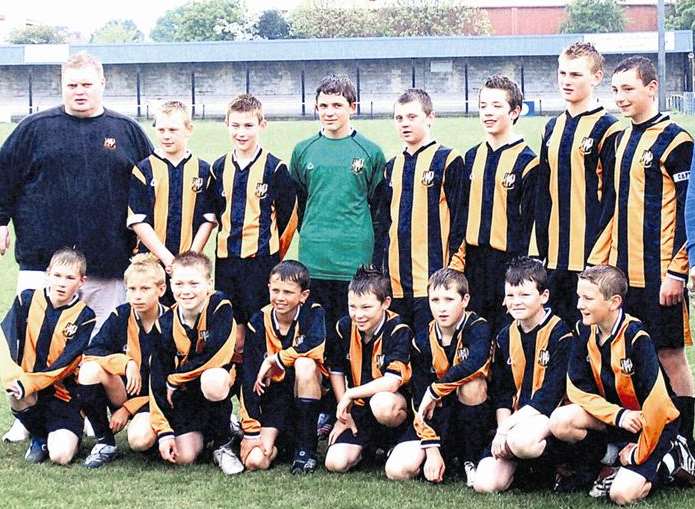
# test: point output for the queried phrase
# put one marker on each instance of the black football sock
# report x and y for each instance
(686, 406)
(94, 402)
(33, 420)
(218, 426)
(308, 414)
(476, 421)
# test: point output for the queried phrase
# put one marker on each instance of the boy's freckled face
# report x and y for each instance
(334, 112)
(447, 305)
(63, 283)
(172, 132)
(190, 286)
(143, 292)
(591, 303)
(366, 311)
(575, 78)
(244, 129)
(524, 301)
(285, 296)
(412, 123)
(495, 112)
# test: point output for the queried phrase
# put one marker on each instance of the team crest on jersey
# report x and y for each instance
(261, 190)
(427, 178)
(543, 358)
(508, 180)
(587, 145)
(197, 184)
(462, 353)
(70, 330)
(203, 337)
(647, 159)
(357, 166)
(626, 366)
(380, 361)
(110, 143)
(298, 340)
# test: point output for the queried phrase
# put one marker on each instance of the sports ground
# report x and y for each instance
(135, 481)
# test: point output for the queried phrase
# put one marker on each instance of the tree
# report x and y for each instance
(593, 16)
(37, 34)
(271, 25)
(117, 31)
(203, 20)
(682, 17)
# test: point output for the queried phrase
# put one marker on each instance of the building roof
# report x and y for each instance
(680, 41)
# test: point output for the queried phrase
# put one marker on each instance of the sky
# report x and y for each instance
(86, 16)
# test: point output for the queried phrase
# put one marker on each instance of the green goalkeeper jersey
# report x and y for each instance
(337, 179)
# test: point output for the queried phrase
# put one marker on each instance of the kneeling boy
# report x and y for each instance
(46, 332)
(372, 352)
(450, 365)
(190, 368)
(528, 378)
(617, 390)
(116, 366)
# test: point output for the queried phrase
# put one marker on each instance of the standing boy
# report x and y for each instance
(46, 332)
(574, 201)
(283, 363)
(499, 193)
(190, 369)
(646, 236)
(116, 366)
(422, 187)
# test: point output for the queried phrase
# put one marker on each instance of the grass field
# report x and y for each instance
(134, 482)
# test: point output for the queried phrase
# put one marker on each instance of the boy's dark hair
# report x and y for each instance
(581, 49)
(292, 270)
(368, 279)
(71, 257)
(192, 259)
(644, 67)
(448, 278)
(419, 95)
(337, 84)
(500, 82)
(245, 103)
(522, 269)
(609, 280)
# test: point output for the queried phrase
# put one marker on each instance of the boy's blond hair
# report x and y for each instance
(193, 259)
(145, 263)
(245, 103)
(71, 257)
(609, 280)
(83, 59)
(585, 49)
(171, 107)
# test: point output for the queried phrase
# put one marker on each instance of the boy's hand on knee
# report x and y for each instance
(434, 465)
(499, 447)
(167, 449)
(427, 406)
(342, 410)
(626, 454)
(671, 291)
(119, 419)
(133, 378)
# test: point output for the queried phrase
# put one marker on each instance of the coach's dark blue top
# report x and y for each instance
(64, 182)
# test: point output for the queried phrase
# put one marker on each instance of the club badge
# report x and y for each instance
(70, 330)
(647, 159)
(298, 340)
(427, 178)
(462, 353)
(626, 366)
(110, 143)
(586, 146)
(380, 361)
(357, 166)
(197, 184)
(261, 190)
(543, 358)
(508, 180)
(203, 336)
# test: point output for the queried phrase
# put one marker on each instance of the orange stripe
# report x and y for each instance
(252, 211)
(498, 228)
(595, 359)
(554, 224)
(35, 317)
(419, 224)
(623, 382)
(516, 355)
(444, 212)
(59, 339)
(226, 228)
(475, 198)
(542, 340)
(133, 341)
(191, 172)
(439, 361)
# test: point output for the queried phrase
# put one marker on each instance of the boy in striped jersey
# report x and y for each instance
(646, 236)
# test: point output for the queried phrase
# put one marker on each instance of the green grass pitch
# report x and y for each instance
(134, 482)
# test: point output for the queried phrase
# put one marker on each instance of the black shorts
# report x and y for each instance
(485, 270)
(277, 404)
(59, 414)
(668, 326)
(563, 295)
(415, 311)
(245, 282)
(370, 433)
(193, 413)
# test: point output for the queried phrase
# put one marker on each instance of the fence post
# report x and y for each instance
(359, 105)
(137, 91)
(303, 94)
(465, 81)
(193, 94)
(31, 90)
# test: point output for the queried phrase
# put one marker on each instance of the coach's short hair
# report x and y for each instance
(148, 264)
(245, 103)
(585, 49)
(169, 107)
(419, 95)
(337, 84)
(83, 59)
(449, 278)
(644, 68)
(609, 280)
(193, 259)
(522, 269)
(294, 271)
(500, 82)
(71, 257)
(368, 279)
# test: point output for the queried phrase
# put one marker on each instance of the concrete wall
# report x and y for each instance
(279, 84)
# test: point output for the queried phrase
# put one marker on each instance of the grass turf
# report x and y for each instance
(134, 481)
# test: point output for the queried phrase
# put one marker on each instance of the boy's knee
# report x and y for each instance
(622, 495)
(400, 471)
(305, 370)
(215, 384)
(140, 438)
(560, 424)
(186, 456)
(61, 454)
(387, 409)
(90, 373)
(473, 393)
(525, 446)
(256, 460)
(338, 463)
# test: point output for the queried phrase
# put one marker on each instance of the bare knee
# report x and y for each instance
(91, 373)
(305, 370)
(388, 409)
(62, 446)
(256, 460)
(473, 393)
(338, 462)
(561, 424)
(141, 436)
(400, 471)
(215, 383)
(622, 495)
(489, 479)
(525, 445)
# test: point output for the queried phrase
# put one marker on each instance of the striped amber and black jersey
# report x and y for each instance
(183, 353)
(43, 344)
(419, 201)
(441, 369)
(646, 236)
(121, 339)
(530, 367)
(306, 337)
(573, 202)
(173, 200)
(621, 372)
(386, 353)
(498, 198)
(256, 206)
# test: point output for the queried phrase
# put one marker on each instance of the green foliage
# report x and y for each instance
(37, 34)
(271, 25)
(682, 16)
(398, 18)
(593, 16)
(203, 20)
(117, 31)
